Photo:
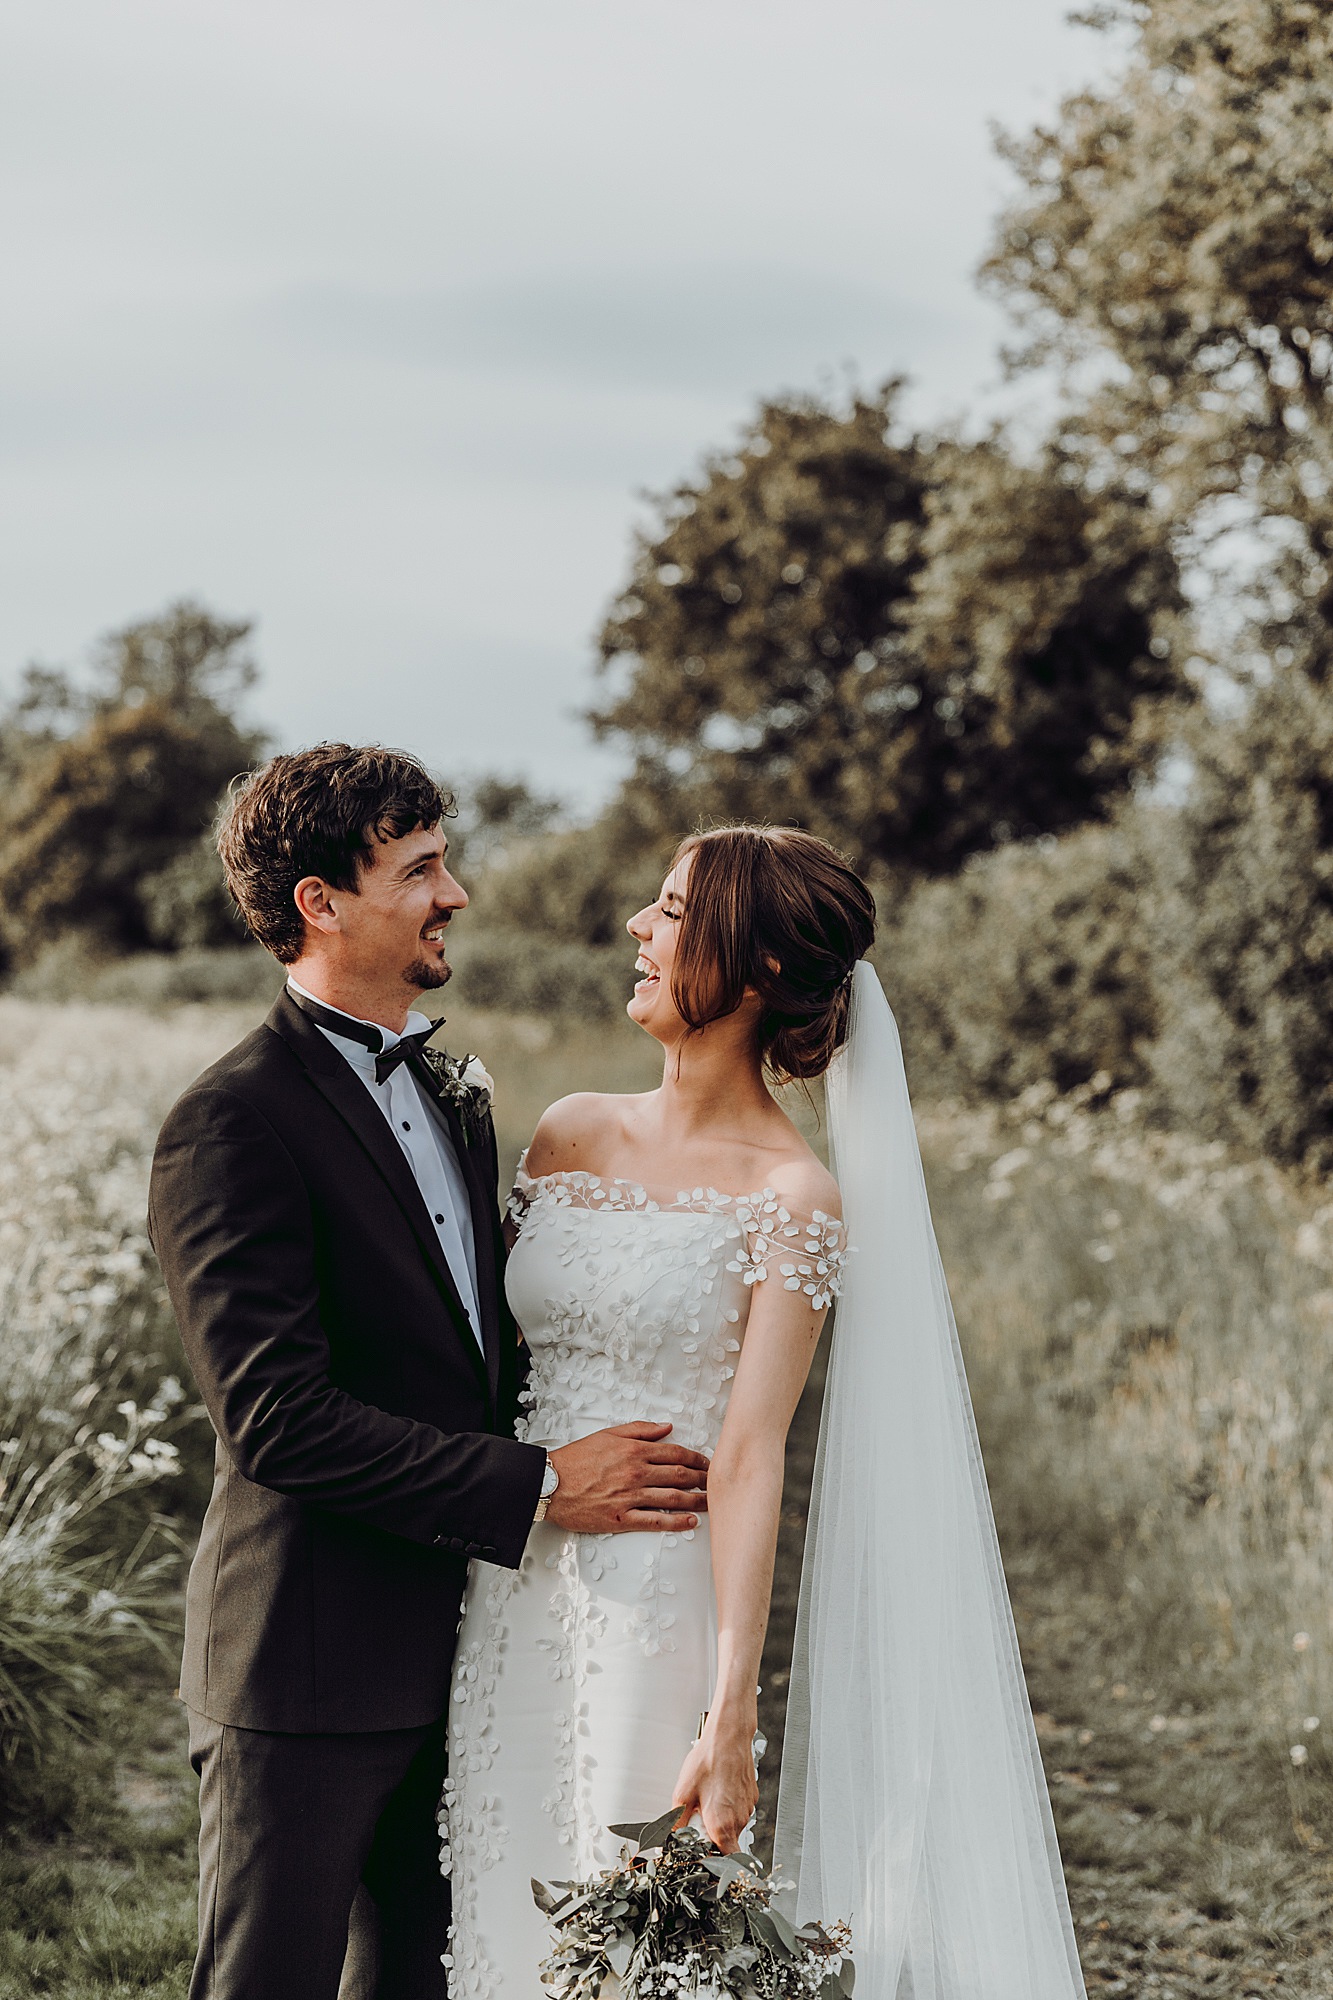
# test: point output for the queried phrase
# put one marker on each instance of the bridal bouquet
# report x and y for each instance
(680, 1921)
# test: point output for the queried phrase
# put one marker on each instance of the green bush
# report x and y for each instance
(69, 971)
(1029, 965)
(187, 905)
(522, 972)
(573, 888)
(1242, 931)
(546, 933)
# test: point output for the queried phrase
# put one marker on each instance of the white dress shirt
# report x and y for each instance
(424, 1139)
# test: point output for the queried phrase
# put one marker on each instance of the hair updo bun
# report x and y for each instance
(779, 913)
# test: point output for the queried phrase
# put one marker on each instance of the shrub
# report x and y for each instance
(1030, 965)
(519, 972)
(1243, 930)
(576, 887)
(546, 934)
(69, 971)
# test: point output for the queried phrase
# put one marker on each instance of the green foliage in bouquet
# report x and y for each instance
(678, 1918)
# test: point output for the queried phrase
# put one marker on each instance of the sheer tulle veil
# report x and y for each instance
(912, 1797)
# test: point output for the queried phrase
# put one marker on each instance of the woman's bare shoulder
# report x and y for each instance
(575, 1132)
(805, 1186)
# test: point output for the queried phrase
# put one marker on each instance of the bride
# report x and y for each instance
(674, 1257)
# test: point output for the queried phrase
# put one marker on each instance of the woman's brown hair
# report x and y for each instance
(779, 913)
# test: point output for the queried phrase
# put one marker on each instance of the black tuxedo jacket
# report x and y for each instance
(365, 1444)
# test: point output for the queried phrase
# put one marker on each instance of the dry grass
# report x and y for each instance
(1149, 1326)
(1150, 1331)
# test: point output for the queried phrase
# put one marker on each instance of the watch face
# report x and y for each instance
(550, 1480)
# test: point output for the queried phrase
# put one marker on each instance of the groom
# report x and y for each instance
(324, 1208)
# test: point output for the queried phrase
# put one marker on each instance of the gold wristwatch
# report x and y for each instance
(550, 1481)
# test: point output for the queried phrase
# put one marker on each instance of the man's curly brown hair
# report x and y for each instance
(316, 812)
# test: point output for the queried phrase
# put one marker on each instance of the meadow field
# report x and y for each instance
(1149, 1331)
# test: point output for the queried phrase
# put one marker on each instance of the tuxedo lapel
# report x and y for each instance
(339, 1084)
(485, 1221)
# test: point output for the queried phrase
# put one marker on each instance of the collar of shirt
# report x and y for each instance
(358, 1055)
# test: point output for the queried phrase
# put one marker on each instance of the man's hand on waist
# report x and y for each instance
(628, 1480)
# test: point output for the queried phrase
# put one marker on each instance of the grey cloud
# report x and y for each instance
(705, 329)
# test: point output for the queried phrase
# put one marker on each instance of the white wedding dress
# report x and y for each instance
(580, 1678)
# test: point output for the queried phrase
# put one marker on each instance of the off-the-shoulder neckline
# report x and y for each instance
(646, 1199)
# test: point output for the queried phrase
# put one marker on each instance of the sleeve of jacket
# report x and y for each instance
(230, 1220)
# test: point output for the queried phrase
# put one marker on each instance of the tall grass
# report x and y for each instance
(95, 1424)
(1149, 1330)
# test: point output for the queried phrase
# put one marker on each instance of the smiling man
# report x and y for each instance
(325, 1214)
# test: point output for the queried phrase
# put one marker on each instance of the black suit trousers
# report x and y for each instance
(319, 1875)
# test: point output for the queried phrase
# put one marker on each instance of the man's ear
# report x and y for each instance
(315, 904)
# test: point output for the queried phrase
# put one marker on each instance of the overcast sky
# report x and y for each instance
(372, 321)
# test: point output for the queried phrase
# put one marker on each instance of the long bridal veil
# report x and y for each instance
(912, 1798)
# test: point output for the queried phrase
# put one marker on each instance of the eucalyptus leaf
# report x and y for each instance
(784, 1930)
(762, 1927)
(620, 1953)
(725, 1866)
(653, 1833)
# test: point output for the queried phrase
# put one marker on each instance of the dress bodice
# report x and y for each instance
(635, 1306)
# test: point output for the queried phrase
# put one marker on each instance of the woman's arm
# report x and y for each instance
(744, 1502)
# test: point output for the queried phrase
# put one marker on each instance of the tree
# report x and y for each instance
(1173, 248)
(114, 781)
(1174, 238)
(916, 647)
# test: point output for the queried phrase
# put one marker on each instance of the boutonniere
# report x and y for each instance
(466, 1086)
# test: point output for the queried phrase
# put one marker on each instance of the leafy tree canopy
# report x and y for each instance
(1175, 233)
(115, 777)
(916, 647)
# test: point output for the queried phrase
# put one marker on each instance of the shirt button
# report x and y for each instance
(439, 1218)
(406, 1126)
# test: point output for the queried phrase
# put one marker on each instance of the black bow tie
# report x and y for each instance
(365, 1032)
(405, 1046)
